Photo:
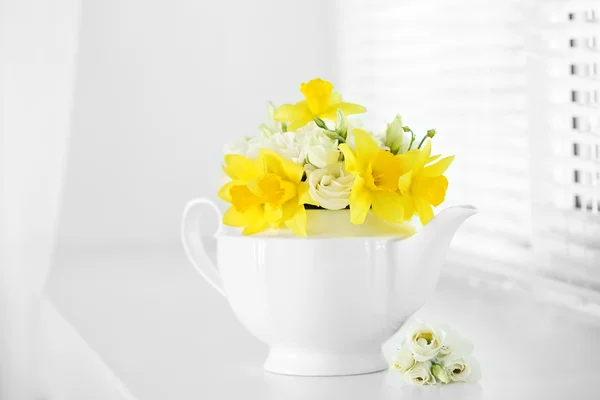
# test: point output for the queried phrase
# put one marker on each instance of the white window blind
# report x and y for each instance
(566, 204)
(512, 89)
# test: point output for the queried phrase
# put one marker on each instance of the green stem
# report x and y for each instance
(331, 133)
(412, 136)
(422, 141)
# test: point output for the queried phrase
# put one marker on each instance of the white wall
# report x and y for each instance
(161, 87)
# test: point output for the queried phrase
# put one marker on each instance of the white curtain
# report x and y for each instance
(495, 79)
(38, 45)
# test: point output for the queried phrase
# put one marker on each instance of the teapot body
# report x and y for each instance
(324, 304)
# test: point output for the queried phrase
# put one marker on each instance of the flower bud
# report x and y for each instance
(395, 136)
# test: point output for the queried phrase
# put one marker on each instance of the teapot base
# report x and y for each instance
(303, 363)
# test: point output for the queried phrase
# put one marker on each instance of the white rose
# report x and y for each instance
(462, 368)
(403, 360)
(330, 187)
(287, 145)
(420, 374)
(249, 147)
(320, 149)
(425, 341)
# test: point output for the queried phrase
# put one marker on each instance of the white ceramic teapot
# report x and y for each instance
(326, 303)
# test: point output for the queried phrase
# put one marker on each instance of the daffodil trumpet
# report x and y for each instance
(309, 154)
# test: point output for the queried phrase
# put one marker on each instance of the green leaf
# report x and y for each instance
(440, 373)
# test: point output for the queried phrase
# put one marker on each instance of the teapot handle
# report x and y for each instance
(200, 246)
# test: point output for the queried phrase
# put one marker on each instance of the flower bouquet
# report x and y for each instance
(310, 155)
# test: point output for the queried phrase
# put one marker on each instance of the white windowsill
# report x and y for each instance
(166, 334)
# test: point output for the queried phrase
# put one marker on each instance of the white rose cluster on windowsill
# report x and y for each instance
(433, 355)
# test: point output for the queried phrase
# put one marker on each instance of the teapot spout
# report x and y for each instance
(420, 257)
(429, 245)
(438, 233)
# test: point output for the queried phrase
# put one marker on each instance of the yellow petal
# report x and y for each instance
(367, 175)
(350, 158)
(294, 172)
(408, 159)
(432, 190)
(291, 112)
(433, 158)
(366, 147)
(299, 123)
(438, 168)
(290, 191)
(273, 214)
(297, 115)
(347, 109)
(224, 191)
(297, 223)
(351, 108)
(404, 182)
(304, 195)
(360, 201)
(242, 198)
(240, 168)
(386, 170)
(256, 227)
(388, 206)
(335, 98)
(280, 166)
(317, 93)
(422, 158)
(276, 224)
(232, 217)
(289, 209)
(408, 206)
(256, 220)
(424, 210)
(335, 103)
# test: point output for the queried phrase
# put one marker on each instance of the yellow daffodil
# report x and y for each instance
(320, 101)
(375, 185)
(422, 184)
(263, 193)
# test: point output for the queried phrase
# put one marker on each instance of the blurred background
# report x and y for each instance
(115, 113)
